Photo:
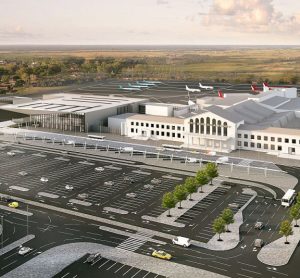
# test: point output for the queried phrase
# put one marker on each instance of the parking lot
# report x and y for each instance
(104, 268)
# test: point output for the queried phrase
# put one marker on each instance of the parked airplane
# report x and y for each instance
(205, 87)
(254, 89)
(220, 94)
(267, 87)
(145, 84)
(152, 82)
(192, 90)
(137, 86)
(190, 102)
(129, 88)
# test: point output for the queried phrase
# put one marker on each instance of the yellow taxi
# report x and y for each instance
(161, 255)
(13, 204)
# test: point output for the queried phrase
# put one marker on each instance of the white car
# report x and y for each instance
(23, 173)
(99, 169)
(11, 153)
(109, 183)
(24, 250)
(156, 181)
(69, 187)
(82, 195)
(182, 241)
(70, 142)
(43, 179)
(131, 195)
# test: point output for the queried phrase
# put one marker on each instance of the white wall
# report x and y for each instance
(158, 110)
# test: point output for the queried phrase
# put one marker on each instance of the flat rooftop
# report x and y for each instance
(72, 103)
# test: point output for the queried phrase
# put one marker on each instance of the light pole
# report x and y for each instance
(27, 220)
(2, 231)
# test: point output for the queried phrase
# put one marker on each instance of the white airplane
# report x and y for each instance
(137, 86)
(129, 88)
(205, 87)
(145, 84)
(152, 82)
(192, 90)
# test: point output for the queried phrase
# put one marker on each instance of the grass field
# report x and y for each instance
(233, 65)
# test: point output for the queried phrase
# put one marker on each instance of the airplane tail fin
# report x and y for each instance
(186, 87)
(266, 87)
(254, 88)
(120, 87)
(200, 85)
(220, 93)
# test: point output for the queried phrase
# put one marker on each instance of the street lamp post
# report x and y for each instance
(2, 231)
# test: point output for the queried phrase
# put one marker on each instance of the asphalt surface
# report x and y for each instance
(137, 149)
(53, 229)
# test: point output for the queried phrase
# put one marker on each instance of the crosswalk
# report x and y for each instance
(134, 243)
(245, 162)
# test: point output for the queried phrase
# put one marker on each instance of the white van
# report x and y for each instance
(182, 241)
(126, 150)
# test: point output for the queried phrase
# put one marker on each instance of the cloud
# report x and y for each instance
(162, 2)
(257, 16)
(16, 32)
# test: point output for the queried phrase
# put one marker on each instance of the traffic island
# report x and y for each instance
(277, 253)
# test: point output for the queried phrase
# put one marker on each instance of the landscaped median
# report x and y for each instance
(277, 253)
(229, 240)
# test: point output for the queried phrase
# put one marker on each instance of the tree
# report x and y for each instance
(219, 227)
(168, 202)
(286, 229)
(211, 170)
(298, 198)
(295, 213)
(190, 185)
(180, 194)
(228, 217)
(201, 178)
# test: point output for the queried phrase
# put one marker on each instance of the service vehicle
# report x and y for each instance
(161, 255)
(13, 204)
(182, 241)
(24, 250)
(259, 225)
(288, 198)
(44, 179)
(92, 257)
(131, 195)
(258, 243)
(99, 169)
(69, 187)
(109, 183)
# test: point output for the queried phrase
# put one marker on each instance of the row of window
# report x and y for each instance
(213, 127)
(160, 133)
(260, 146)
(266, 138)
(162, 126)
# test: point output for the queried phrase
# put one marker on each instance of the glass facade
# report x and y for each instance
(64, 121)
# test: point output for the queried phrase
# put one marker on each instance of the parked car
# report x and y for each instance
(82, 195)
(234, 205)
(24, 250)
(131, 195)
(70, 142)
(109, 183)
(44, 179)
(92, 257)
(182, 241)
(259, 225)
(156, 181)
(131, 180)
(161, 255)
(11, 153)
(258, 243)
(69, 187)
(13, 204)
(99, 169)
(23, 173)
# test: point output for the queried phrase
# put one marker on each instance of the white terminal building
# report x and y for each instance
(267, 122)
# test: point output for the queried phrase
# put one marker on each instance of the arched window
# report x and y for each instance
(219, 128)
(197, 126)
(225, 128)
(207, 125)
(202, 125)
(214, 127)
(191, 126)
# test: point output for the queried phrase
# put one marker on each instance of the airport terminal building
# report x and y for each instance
(267, 122)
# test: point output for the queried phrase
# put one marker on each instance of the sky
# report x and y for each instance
(157, 22)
